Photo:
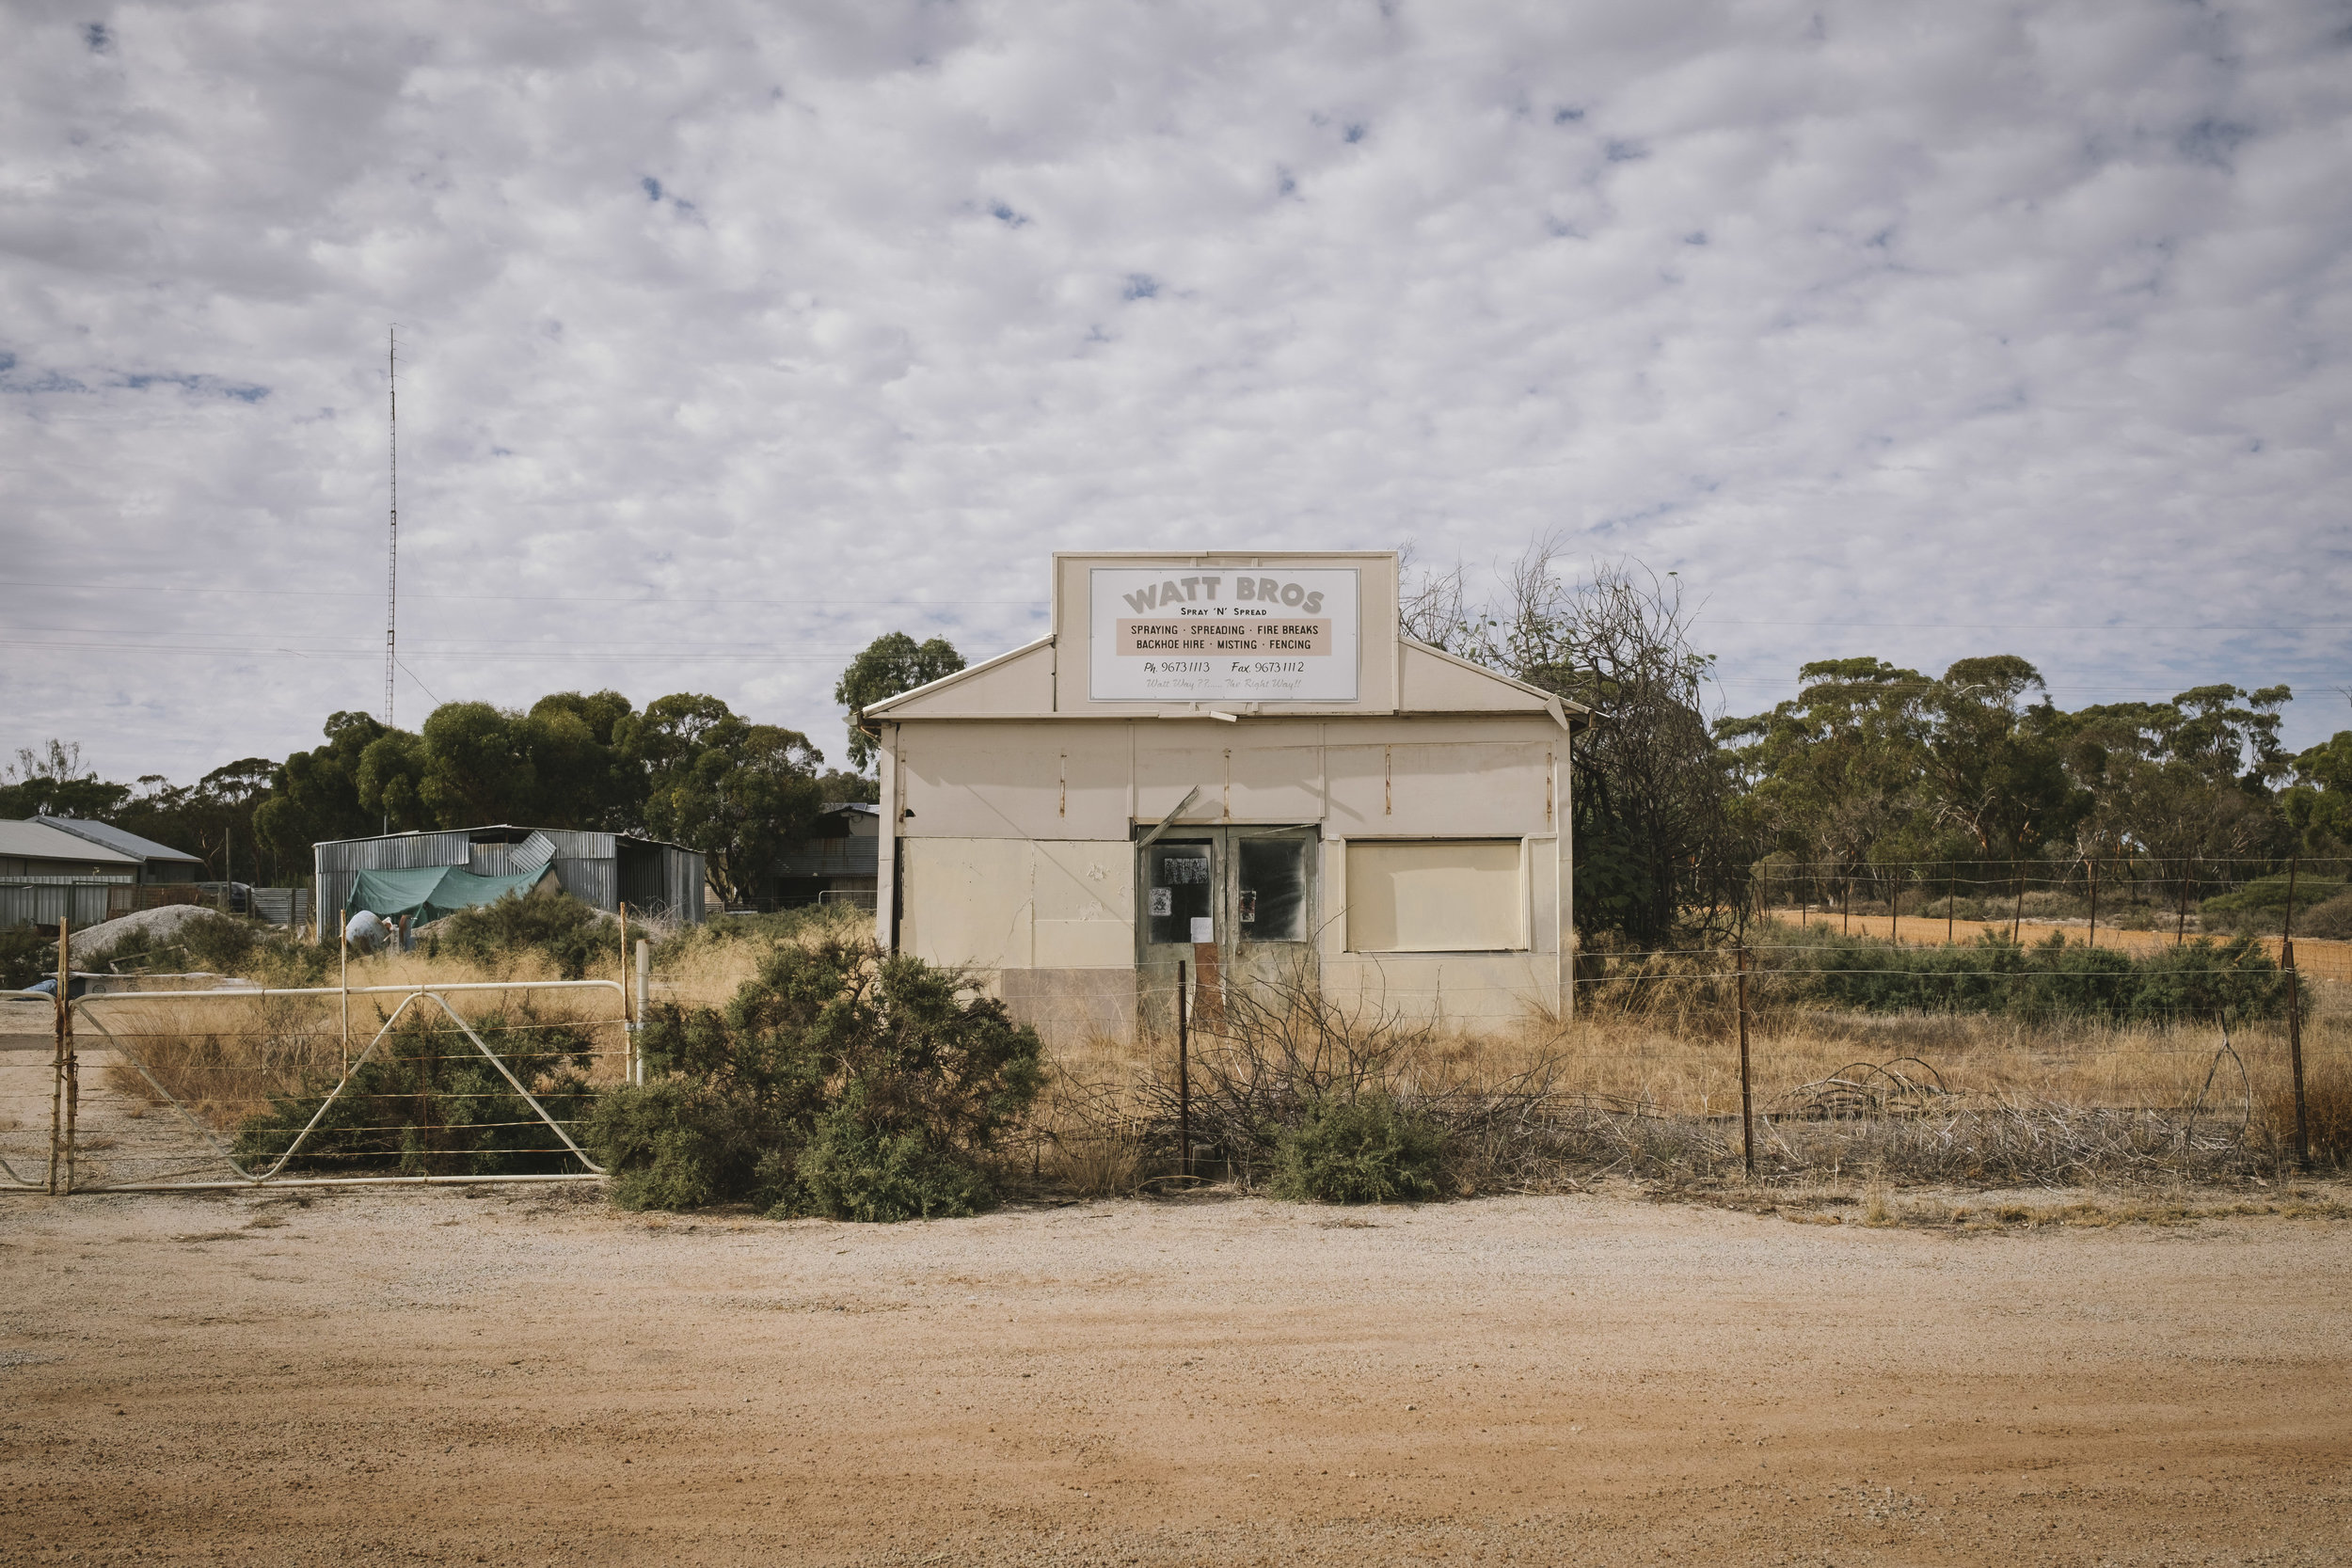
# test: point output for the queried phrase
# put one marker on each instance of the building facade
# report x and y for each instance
(1235, 763)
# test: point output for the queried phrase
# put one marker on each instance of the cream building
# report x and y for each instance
(1232, 761)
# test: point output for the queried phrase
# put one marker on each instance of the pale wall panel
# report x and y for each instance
(1010, 781)
(1435, 897)
(1165, 770)
(968, 902)
(1085, 944)
(1499, 789)
(1086, 882)
(1275, 784)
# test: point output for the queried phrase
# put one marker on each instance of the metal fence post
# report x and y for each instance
(644, 983)
(342, 940)
(2294, 1022)
(58, 1069)
(1184, 1077)
(1747, 1109)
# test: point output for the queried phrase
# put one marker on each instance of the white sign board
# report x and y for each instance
(1182, 634)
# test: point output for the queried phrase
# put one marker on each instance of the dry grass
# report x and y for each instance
(225, 1054)
(1644, 1080)
(1549, 1103)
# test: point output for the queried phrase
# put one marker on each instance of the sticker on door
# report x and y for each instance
(1203, 928)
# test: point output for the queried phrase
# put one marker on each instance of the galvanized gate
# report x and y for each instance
(51, 1141)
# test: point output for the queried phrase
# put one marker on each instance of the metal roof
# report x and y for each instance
(40, 840)
(506, 832)
(113, 837)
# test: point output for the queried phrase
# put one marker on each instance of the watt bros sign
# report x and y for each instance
(1182, 635)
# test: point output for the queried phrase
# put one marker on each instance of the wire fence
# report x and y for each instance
(243, 1088)
(2212, 1044)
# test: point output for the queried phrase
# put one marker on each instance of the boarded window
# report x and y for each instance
(1443, 895)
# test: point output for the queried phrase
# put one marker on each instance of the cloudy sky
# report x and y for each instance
(733, 336)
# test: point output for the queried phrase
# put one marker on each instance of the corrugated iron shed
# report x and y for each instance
(601, 870)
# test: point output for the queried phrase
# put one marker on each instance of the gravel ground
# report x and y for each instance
(521, 1374)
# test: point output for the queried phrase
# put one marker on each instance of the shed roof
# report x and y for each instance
(112, 837)
(41, 840)
(502, 833)
(1019, 685)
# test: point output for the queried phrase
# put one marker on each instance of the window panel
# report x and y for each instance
(1434, 896)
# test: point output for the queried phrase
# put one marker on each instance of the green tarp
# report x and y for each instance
(430, 892)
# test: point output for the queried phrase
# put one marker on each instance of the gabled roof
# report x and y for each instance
(1436, 681)
(1020, 684)
(1019, 681)
(41, 840)
(109, 836)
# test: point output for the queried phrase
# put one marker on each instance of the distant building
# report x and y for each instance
(41, 850)
(838, 862)
(46, 875)
(601, 870)
(158, 863)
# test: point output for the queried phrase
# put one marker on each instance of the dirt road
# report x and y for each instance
(529, 1377)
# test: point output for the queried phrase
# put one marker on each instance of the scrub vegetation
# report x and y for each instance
(556, 928)
(837, 1081)
(795, 1069)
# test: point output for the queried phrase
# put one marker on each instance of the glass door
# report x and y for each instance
(1230, 905)
(1180, 920)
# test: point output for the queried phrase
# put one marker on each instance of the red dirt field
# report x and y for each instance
(526, 1376)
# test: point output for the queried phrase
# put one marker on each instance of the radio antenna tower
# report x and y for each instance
(391, 562)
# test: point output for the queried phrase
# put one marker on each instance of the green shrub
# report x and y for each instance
(2270, 894)
(838, 1081)
(853, 1169)
(572, 937)
(216, 944)
(1366, 1150)
(680, 1143)
(28, 956)
(426, 1103)
(2054, 978)
(2332, 920)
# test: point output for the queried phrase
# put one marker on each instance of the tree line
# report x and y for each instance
(1678, 811)
(1870, 766)
(685, 767)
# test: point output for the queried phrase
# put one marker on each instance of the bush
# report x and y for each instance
(425, 1103)
(679, 1144)
(838, 1081)
(853, 1169)
(211, 942)
(27, 957)
(1365, 1150)
(216, 944)
(2330, 921)
(2054, 978)
(559, 927)
(2270, 894)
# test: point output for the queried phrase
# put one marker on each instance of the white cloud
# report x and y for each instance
(734, 336)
